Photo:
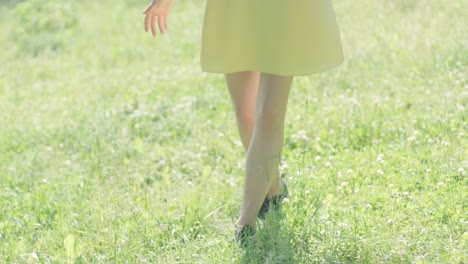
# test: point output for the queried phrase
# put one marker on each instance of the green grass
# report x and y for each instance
(114, 147)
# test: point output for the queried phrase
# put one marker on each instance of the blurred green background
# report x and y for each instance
(115, 147)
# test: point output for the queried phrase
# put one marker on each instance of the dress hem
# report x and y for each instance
(213, 69)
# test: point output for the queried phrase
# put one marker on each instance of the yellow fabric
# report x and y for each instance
(282, 37)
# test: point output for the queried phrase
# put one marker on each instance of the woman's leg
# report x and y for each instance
(243, 88)
(264, 152)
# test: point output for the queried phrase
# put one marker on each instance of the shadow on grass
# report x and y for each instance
(272, 243)
(291, 239)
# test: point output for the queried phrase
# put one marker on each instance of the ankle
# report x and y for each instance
(275, 188)
(241, 222)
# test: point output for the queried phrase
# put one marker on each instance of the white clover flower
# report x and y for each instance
(380, 158)
(284, 165)
(461, 171)
(380, 172)
(440, 184)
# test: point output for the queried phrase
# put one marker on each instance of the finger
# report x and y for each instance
(153, 25)
(161, 23)
(165, 23)
(147, 22)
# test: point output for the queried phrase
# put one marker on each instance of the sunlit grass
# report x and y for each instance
(115, 148)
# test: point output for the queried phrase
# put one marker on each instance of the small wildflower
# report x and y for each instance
(390, 221)
(286, 200)
(390, 185)
(349, 171)
(380, 158)
(380, 172)
(307, 192)
(328, 164)
(344, 184)
(323, 232)
(410, 139)
(283, 166)
(461, 171)
(343, 225)
(440, 184)
(445, 143)
(405, 193)
(318, 158)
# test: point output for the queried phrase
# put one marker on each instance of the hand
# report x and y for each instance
(157, 10)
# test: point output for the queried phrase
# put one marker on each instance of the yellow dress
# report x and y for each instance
(282, 37)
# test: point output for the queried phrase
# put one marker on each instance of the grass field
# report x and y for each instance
(115, 148)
